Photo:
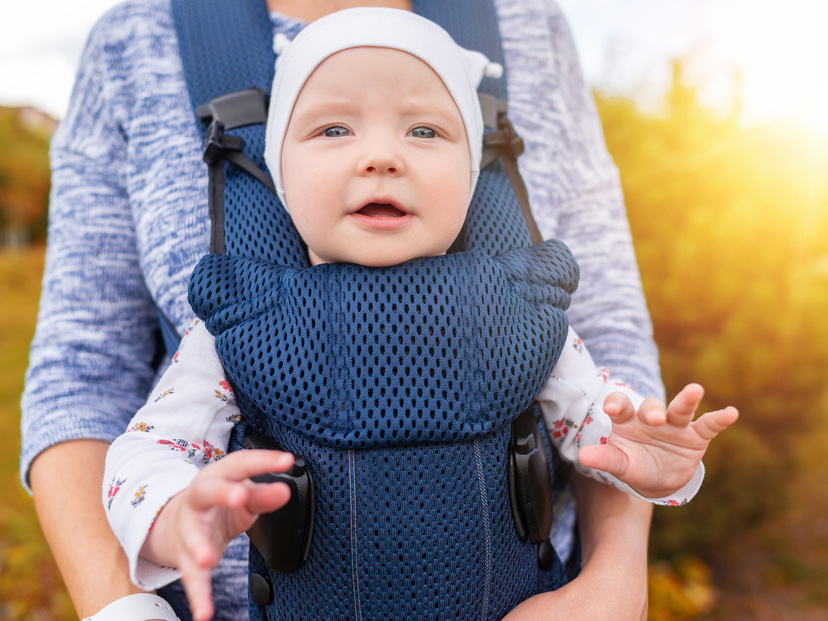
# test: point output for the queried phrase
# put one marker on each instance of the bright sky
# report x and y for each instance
(777, 46)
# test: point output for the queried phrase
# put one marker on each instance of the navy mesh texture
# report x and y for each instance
(256, 224)
(225, 47)
(439, 349)
(405, 534)
(397, 386)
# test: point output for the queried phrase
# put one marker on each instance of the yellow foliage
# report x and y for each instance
(680, 593)
(728, 226)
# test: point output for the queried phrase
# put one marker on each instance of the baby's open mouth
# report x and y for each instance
(381, 210)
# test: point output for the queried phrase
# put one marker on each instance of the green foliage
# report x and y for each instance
(726, 224)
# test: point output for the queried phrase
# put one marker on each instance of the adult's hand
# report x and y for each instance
(612, 585)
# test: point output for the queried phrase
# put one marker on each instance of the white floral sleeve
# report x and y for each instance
(572, 404)
(184, 426)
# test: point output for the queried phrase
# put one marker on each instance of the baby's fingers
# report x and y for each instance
(267, 497)
(605, 457)
(683, 407)
(196, 581)
(225, 483)
(619, 407)
(711, 424)
(652, 412)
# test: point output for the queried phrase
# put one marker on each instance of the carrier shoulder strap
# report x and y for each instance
(226, 47)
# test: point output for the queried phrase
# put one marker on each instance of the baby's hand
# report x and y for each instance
(654, 450)
(196, 525)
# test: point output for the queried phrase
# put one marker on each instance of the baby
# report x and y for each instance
(374, 145)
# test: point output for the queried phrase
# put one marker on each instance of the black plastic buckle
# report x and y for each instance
(217, 143)
(283, 537)
(236, 109)
(530, 482)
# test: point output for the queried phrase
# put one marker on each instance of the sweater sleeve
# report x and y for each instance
(184, 426)
(91, 357)
(609, 309)
(572, 402)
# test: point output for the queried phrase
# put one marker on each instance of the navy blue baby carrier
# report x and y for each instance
(422, 484)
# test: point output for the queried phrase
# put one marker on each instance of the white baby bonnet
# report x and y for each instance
(460, 69)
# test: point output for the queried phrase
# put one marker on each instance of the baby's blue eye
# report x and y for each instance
(423, 132)
(336, 132)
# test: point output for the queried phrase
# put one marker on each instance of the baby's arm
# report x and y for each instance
(184, 425)
(611, 433)
(173, 498)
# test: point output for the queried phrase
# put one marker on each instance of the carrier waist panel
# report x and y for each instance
(408, 532)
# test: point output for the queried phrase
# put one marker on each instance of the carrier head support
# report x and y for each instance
(461, 70)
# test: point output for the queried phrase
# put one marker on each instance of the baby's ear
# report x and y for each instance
(479, 66)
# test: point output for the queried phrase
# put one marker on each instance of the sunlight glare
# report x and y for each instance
(783, 62)
(816, 110)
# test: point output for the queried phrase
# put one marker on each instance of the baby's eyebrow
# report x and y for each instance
(319, 113)
(328, 105)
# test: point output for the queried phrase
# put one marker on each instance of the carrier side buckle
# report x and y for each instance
(530, 484)
(283, 537)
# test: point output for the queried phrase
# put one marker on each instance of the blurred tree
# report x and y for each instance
(727, 222)
(24, 173)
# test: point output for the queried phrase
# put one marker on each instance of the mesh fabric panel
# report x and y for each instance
(397, 386)
(494, 223)
(441, 349)
(405, 534)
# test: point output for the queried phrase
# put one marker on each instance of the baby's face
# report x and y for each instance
(375, 161)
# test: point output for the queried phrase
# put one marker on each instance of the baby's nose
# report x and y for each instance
(382, 159)
(381, 167)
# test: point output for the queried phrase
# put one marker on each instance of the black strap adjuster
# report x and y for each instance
(217, 144)
(236, 109)
(505, 143)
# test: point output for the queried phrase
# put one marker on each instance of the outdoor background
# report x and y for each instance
(717, 116)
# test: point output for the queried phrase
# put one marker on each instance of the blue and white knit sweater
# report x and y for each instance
(128, 221)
